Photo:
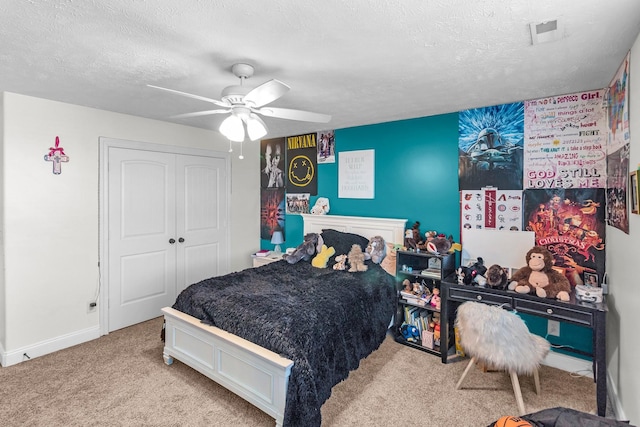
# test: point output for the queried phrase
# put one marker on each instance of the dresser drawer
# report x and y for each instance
(457, 294)
(554, 312)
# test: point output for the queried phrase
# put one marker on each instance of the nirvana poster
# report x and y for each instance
(490, 147)
(570, 223)
(302, 155)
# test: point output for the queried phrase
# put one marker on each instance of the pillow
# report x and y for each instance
(342, 241)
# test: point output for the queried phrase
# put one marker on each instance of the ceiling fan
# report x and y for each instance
(245, 104)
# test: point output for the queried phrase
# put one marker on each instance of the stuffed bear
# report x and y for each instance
(376, 250)
(356, 259)
(312, 243)
(322, 259)
(496, 277)
(539, 277)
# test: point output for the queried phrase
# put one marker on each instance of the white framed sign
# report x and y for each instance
(356, 175)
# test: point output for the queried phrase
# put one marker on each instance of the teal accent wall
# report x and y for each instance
(416, 175)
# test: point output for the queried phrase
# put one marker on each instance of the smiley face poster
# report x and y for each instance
(302, 154)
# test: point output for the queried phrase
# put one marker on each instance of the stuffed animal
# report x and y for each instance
(435, 298)
(310, 246)
(409, 332)
(341, 262)
(539, 277)
(434, 325)
(440, 244)
(389, 261)
(322, 259)
(356, 259)
(321, 207)
(376, 250)
(409, 241)
(496, 277)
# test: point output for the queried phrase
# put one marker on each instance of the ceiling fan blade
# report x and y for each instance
(289, 114)
(266, 93)
(199, 113)
(190, 95)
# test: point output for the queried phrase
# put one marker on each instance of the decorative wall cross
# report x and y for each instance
(57, 156)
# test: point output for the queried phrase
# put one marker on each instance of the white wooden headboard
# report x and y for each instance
(390, 229)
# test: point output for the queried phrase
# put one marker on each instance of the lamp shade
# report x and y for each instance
(255, 127)
(232, 128)
(277, 239)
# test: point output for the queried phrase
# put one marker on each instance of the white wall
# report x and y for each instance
(51, 221)
(623, 255)
(2, 286)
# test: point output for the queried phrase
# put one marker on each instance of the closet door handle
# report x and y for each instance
(172, 241)
(181, 240)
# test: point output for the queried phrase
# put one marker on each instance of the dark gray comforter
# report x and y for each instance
(324, 320)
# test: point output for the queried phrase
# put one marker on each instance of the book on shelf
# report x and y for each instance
(433, 273)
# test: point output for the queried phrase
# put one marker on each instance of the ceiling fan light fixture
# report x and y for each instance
(256, 128)
(232, 128)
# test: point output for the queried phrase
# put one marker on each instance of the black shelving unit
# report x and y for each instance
(428, 270)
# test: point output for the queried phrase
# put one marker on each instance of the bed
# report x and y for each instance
(282, 335)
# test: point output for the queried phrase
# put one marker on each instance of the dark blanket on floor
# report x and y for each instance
(324, 320)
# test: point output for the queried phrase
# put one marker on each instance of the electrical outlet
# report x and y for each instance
(92, 306)
(553, 328)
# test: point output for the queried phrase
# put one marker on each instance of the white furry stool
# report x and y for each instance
(501, 340)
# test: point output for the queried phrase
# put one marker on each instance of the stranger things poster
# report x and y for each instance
(570, 223)
(302, 157)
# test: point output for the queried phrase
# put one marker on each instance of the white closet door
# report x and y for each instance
(142, 223)
(201, 218)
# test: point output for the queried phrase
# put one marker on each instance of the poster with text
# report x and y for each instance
(565, 141)
(570, 224)
(491, 209)
(272, 211)
(272, 163)
(302, 155)
(356, 175)
(490, 147)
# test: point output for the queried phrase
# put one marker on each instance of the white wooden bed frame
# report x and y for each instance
(254, 373)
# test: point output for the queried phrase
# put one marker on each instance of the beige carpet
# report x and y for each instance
(121, 380)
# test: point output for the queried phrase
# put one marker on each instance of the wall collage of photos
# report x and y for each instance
(289, 176)
(557, 166)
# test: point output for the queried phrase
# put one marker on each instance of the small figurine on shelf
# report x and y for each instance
(435, 298)
(434, 325)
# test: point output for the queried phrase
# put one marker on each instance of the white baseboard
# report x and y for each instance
(612, 392)
(569, 364)
(8, 358)
(584, 367)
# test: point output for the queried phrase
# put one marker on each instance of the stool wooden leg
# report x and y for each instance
(466, 371)
(536, 378)
(517, 392)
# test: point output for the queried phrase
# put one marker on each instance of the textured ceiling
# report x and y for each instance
(361, 61)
